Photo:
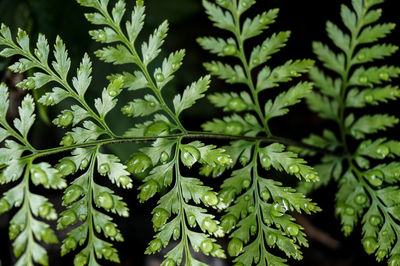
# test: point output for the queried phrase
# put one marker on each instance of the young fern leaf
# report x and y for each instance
(39, 60)
(174, 216)
(82, 196)
(256, 205)
(177, 211)
(93, 127)
(367, 192)
(25, 229)
(257, 208)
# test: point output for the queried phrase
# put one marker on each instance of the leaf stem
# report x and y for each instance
(258, 207)
(373, 196)
(188, 135)
(143, 68)
(64, 83)
(27, 209)
(90, 203)
(181, 215)
(345, 85)
(18, 136)
(243, 59)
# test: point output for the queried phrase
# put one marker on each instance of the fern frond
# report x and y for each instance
(178, 210)
(366, 192)
(256, 205)
(29, 225)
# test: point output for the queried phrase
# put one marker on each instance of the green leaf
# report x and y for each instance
(89, 131)
(328, 140)
(169, 66)
(63, 62)
(37, 81)
(215, 45)
(370, 54)
(373, 75)
(394, 147)
(390, 196)
(244, 5)
(331, 167)
(106, 35)
(55, 180)
(135, 26)
(96, 18)
(296, 201)
(221, 19)
(329, 58)
(83, 77)
(161, 174)
(390, 172)
(157, 148)
(211, 155)
(274, 155)
(369, 148)
(13, 171)
(236, 181)
(22, 64)
(23, 40)
(105, 104)
(349, 18)
(142, 107)
(286, 99)
(269, 79)
(117, 55)
(42, 50)
(348, 189)
(226, 72)
(117, 172)
(252, 203)
(139, 129)
(27, 117)
(339, 38)
(262, 53)
(9, 52)
(234, 125)
(191, 94)
(372, 16)
(193, 189)
(5, 33)
(374, 33)
(371, 124)
(323, 106)
(375, 96)
(255, 26)
(79, 114)
(3, 134)
(39, 254)
(151, 49)
(118, 11)
(326, 84)
(4, 102)
(12, 150)
(227, 101)
(132, 82)
(54, 97)
(82, 205)
(90, 3)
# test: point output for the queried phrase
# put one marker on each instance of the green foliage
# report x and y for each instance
(367, 174)
(253, 208)
(87, 202)
(256, 205)
(26, 227)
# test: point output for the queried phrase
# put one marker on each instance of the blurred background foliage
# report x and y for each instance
(306, 20)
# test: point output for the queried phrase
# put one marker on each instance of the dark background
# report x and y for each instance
(306, 20)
